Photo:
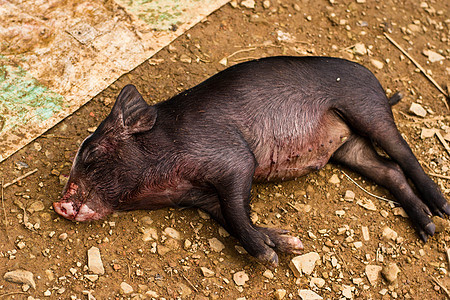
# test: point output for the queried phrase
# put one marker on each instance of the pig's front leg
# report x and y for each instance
(233, 188)
(283, 242)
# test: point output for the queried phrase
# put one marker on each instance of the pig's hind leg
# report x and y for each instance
(366, 109)
(359, 154)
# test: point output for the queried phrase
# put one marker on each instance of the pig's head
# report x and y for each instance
(109, 166)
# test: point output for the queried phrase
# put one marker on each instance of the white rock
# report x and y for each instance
(125, 288)
(383, 292)
(145, 221)
(415, 28)
(417, 110)
(365, 233)
(216, 245)
(360, 49)
(349, 196)
(47, 293)
(186, 59)
(150, 234)
(20, 276)
(240, 278)
(304, 263)
(399, 211)
(377, 64)
(95, 263)
(334, 179)
(390, 272)
(268, 274)
(151, 294)
(172, 233)
(367, 204)
(308, 295)
(373, 273)
(358, 244)
(207, 272)
(266, 4)
(433, 56)
(317, 281)
(91, 277)
(280, 294)
(347, 291)
(340, 213)
(187, 244)
(389, 234)
(427, 133)
(248, 3)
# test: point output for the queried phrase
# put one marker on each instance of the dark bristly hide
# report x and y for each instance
(271, 119)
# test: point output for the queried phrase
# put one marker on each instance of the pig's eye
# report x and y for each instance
(91, 156)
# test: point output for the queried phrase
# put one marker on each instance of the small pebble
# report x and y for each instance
(280, 294)
(62, 236)
(95, 263)
(334, 179)
(389, 234)
(216, 245)
(268, 274)
(349, 196)
(390, 272)
(418, 110)
(125, 288)
(20, 276)
(207, 272)
(240, 278)
(304, 263)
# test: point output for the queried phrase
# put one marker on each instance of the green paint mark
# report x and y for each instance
(23, 99)
(160, 15)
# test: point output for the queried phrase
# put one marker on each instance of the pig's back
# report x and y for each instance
(282, 106)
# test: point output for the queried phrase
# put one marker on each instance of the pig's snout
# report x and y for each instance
(84, 213)
(65, 209)
(70, 207)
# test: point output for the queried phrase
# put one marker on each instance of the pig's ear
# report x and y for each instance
(135, 113)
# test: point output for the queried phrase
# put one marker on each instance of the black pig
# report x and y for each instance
(271, 119)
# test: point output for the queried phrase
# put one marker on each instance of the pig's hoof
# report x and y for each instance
(283, 242)
(269, 257)
(446, 208)
(428, 231)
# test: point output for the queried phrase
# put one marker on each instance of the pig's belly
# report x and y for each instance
(296, 155)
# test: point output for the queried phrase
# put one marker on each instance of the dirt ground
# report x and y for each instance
(36, 239)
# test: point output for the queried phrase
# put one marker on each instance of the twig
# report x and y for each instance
(442, 140)
(245, 58)
(188, 281)
(447, 250)
(239, 51)
(435, 280)
(4, 213)
(420, 67)
(373, 195)
(19, 178)
(439, 176)
(13, 293)
(293, 206)
(55, 136)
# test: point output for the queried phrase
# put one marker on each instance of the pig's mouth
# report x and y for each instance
(75, 210)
